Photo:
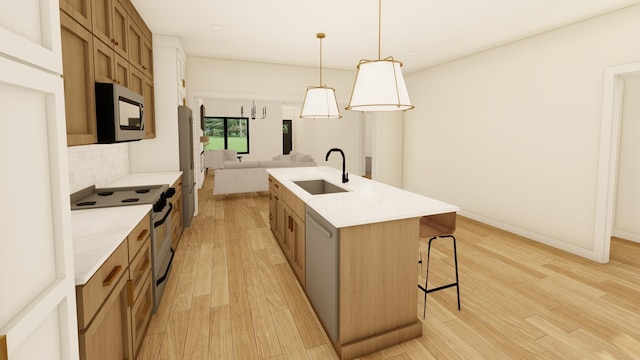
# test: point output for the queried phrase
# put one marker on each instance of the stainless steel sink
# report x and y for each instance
(319, 186)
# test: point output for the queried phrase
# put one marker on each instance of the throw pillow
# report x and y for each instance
(230, 155)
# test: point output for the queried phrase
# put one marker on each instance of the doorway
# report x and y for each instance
(609, 146)
(287, 136)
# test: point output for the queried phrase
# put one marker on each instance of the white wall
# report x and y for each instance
(387, 147)
(511, 135)
(627, 210)
(270, 84)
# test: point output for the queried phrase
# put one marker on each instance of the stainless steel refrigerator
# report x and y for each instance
(185, 137)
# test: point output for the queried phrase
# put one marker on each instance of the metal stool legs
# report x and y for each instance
(426, 281)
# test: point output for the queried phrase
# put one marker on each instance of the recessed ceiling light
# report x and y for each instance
(216, 27)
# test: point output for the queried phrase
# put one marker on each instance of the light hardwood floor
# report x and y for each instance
(231, 295)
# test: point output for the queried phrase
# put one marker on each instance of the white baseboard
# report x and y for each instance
(555, 243)
(626, 235)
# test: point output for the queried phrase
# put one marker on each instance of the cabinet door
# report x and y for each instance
(79, 79)
(137, 85)
(102, 12)
(109, 335)
(104, 62)
(79, 10)
(141, 314)
(298, 254)
(287, 236)
(122, 72)
(147, 57)
(37, 290)
(135, 45)
(120, 30)
(149, 109)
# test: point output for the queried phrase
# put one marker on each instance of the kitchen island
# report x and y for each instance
(354, 252)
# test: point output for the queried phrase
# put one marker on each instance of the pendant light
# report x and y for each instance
(379, 84)
(320, 101)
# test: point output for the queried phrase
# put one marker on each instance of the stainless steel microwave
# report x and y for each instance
(119, 114)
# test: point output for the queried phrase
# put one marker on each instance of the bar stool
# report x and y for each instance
(440, 226)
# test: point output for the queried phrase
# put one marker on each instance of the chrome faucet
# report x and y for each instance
(345, 176)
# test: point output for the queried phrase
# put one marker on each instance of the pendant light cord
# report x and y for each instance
(320, 36)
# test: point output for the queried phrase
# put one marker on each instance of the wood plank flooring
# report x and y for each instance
(232, 295)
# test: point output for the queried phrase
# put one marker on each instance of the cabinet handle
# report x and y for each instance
(143, 235)
(113, 40)
(4, 353)
(290, 223)
(144, 267)
(112, 275)
(184, 83)
(276, 185)
(144, 68)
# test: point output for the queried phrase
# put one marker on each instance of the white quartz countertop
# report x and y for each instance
(365, 202)
(97, 233)
(152, 178)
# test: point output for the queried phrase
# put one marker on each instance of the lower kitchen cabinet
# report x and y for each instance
(176, 214)
(108, 337)
(286, 217)
(114, 307)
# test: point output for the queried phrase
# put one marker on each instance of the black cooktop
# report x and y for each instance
(92, 197)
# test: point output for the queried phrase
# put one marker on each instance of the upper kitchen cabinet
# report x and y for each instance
(111, 25)
(140, 46)
(37, 300)
(79, 80)
(110, 44)
(79, 10)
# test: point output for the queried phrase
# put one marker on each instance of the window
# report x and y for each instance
(227, 133)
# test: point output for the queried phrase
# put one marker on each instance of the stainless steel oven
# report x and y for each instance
(162, 253)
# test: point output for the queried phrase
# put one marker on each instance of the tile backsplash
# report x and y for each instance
(96, 164)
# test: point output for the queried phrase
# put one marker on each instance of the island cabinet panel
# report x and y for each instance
(377, 296)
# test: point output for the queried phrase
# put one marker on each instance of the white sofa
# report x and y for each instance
(234, 177)
(228, 159)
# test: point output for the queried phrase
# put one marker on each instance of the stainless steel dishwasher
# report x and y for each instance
(322, 270)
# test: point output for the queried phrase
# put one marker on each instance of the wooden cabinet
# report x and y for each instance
(108, 337)
(150, 108)
(96, 48)
(79, 10)
(111, 25)
(176, 214)
(287, 221)
(78, 72)
(114, 306)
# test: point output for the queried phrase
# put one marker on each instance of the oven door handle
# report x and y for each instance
(164, 218)
(164, 277)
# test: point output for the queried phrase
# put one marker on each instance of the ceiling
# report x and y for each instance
(420, 33)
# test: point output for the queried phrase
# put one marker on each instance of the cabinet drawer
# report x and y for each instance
(139, 268)
(91, 295)
(141, 314)
(139, 236)
(274, 186)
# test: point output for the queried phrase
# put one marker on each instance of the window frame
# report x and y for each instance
(225, 126)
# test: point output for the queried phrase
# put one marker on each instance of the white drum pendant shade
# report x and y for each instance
(379, 86)
(320, 102)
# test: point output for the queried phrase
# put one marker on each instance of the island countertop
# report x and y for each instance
(365, 202)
